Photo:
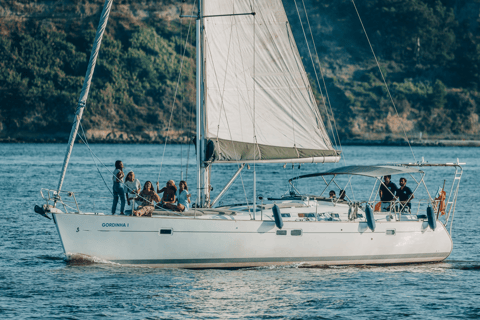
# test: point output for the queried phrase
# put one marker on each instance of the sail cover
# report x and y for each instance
(259, 103)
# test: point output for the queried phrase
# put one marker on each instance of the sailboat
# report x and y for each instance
(254, 104)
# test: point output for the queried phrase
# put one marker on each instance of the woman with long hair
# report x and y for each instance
(132, 189)
(183, 197)
(169, 195)
(148, 197)
(118, 191)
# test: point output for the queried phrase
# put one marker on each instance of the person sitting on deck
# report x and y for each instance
(169, 195)
(387, 193)
(148, 197)
(183, 197)
(332, 194)
(342, 195)
(132, 189)
(405, 194)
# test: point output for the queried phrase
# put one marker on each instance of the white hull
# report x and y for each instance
(225, 242)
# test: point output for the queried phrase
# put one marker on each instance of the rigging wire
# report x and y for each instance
(331, 113)
(175, 94)
(315, 69)
(181, 111)
(222, 107)
(248, 100)
(328, 108)
(188, 150)
(111, 172)
(84, 139)
(228, 124)
(383, 78)
(254, 207)
(320, 127)
(233, 21)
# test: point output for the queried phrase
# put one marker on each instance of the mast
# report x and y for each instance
(86, 88)
(203, 188)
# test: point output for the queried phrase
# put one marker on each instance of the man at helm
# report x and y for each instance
(387, 193)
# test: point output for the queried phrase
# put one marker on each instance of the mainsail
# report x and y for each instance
(258, 100)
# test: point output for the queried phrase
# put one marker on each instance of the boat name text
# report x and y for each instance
(107, 225)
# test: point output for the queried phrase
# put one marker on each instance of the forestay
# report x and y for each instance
(256, 88)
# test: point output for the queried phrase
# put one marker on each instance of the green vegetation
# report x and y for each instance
(42, 68)
(429, 51)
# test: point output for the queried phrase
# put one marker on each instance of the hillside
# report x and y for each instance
(428, 50)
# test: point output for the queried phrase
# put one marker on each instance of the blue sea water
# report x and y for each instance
(36, 282)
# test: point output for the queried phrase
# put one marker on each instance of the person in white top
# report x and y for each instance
(183, 197)
(132, 188)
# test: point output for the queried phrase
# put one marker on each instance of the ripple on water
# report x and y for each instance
(38, 281)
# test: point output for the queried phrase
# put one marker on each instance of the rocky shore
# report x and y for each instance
(182, 137)
(108, 136)
(422, 143)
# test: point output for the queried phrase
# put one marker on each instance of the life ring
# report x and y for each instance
(441, 202)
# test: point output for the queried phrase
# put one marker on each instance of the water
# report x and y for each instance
(36, 281)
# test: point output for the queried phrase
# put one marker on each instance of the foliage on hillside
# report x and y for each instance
(429, 57)
(429, 51)
(42, 68)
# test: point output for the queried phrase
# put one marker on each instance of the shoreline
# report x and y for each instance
(414, 143)
(349, 142)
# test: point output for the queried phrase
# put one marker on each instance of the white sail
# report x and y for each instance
(256, 88)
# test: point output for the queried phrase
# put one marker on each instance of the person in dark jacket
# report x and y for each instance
(118, 191)
(387, 192)
(404, 193)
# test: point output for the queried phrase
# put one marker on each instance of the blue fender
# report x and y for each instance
(277, 216)
(432, 221)
(370, 218)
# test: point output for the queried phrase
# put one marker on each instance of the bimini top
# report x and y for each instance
(368, 171)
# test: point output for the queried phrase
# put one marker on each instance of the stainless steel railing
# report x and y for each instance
(66, 198)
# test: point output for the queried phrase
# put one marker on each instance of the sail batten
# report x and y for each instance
(256, 89)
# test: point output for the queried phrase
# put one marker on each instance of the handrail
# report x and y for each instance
(53, 195)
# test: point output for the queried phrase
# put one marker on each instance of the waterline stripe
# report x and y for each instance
(285, 259)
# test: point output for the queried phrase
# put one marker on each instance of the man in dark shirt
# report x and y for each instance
(387, 192)
(404, 193)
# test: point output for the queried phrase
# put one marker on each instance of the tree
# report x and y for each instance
(439, 94)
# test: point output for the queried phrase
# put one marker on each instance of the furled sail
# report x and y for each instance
(259, 103)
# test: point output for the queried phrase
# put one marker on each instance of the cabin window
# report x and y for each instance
(306, 215)
(281, 232)
(296, 232)
(390, 232)
(285, 215)
(166, 231)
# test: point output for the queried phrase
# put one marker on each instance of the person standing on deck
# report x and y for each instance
(405, 194)
(118, 191)
(387, 193)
